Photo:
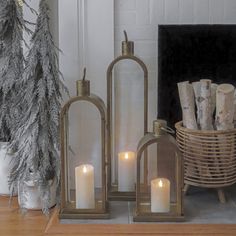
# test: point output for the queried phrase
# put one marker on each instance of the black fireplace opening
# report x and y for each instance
(190, 53)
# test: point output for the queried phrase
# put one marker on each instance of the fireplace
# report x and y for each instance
(192, 52)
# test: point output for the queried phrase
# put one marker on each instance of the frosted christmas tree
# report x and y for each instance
(37, 137)
(12, 62)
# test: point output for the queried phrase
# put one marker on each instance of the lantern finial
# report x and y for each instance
(127, 46)
(83, 86)
(158, 126)
(126, 36)
(84, 75)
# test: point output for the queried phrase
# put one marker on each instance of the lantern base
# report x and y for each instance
(121, 196)
(115, 195)
(80, 216)
(157, 218)
(71, 213)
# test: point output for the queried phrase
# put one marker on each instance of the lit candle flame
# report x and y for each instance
(160, 183)
(85, 169)
(126, 156)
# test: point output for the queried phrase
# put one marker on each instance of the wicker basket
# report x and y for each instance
(209, 156)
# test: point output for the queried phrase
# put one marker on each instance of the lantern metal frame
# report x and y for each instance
(140, 214)
(67, 209)
(127, 53)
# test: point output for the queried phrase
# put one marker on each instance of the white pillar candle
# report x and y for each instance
(126, 171)
(84, 187)
(160, 195)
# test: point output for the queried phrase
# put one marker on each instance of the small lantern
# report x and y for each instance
(81, 198)
(121, 163)
(162, 200)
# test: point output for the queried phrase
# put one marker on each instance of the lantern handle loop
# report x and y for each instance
(168, 130)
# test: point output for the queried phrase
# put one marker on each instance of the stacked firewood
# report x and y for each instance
(215, 105)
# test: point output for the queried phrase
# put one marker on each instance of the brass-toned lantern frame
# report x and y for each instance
(67, 211)
(127, 54)
(139, 214)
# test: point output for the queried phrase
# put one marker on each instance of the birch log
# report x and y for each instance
(197, 93)
(205, 110)
(213, 97)
(224, 111)
(234, 109)
(216, 157)
(224, 107)
(186, 95)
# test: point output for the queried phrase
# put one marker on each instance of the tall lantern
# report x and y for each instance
(81, 198)
(163, 199)
(121, 163)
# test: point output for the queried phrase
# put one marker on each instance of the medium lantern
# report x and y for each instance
(162, 200)
(121, 163)
(81, 197)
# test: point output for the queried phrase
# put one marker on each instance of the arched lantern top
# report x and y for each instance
(127, 54)
(92, 98)
(127, 57)
(83, 94)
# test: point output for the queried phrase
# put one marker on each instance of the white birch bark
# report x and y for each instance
(205, 110)
(186, 95)
(213, 107)
(213, 97)
(234, 108)
(224, 107)
(205, 118)
(197, 93)
(224, 110)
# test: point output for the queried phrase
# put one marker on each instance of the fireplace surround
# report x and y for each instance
(192, 52)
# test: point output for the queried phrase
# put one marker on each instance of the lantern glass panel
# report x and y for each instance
(128, 109)
(84, 147)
